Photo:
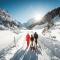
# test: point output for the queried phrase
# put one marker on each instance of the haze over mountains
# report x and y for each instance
(7, 22)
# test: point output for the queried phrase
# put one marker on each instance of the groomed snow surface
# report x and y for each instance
(48, 48)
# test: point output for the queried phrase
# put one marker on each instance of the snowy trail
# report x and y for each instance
(18, 55)
(45, 46)
(29, 55)
(24, 54)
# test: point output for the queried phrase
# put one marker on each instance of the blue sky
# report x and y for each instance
(23, 10)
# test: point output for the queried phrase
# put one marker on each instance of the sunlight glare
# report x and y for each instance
(37, 16)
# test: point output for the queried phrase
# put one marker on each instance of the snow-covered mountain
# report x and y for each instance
(7, 22)
(29, 22)
(39, 26)
(56, 22)
(32, 22)
(48, 19)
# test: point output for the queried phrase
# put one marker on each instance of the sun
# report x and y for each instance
(38, 16)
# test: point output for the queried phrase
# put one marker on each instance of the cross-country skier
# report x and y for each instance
(32, 39)
(36, 37)
(28, 39)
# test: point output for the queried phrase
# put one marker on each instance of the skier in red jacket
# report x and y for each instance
(28, 39)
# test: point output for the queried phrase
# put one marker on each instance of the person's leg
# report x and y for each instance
(31, 45)
(27, 44)
(36, 44)
(36, 41)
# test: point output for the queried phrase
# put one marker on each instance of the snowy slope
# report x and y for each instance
(48, 49)
(8, 22)
(39, 26)
(54, 31)
(6, 38)
(21, 53)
